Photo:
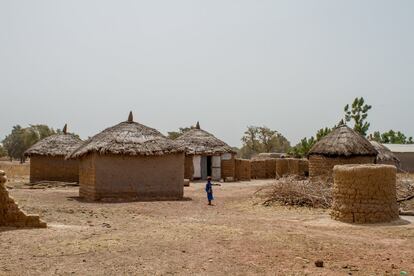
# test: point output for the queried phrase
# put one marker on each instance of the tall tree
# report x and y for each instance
(391, 137)
(262, 139)
(358, 114)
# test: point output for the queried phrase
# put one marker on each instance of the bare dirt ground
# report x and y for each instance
(237, 236)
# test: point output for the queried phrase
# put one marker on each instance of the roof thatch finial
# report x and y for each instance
(130, 117)
(198, 125)
(65, 129)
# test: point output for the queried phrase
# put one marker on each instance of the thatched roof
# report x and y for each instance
(55, 145)
(343, 141)
(384, 154)
(128, 138)
(199, 142)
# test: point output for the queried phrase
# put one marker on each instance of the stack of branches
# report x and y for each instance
(297, 191)
(405, 191)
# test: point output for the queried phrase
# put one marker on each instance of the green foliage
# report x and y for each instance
(3, 151)
(262, 139)
(175, 134)
(302, 149)
(391, 137)
(20, 139)
(358, 113)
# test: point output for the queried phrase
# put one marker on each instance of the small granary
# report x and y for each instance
(130, 161)
(342, 146)
(206, 155)
(47, 158)
(385, 155)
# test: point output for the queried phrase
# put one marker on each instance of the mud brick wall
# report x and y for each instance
(323, 166)
(228, 168)
(48, 168)
(242, 169)
(10, 214)
(364, 194)
(188, 167)
(291, 166)
(132, 177)
(87, 177)
(263, 169)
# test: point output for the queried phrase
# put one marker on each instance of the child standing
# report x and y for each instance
(209, 190)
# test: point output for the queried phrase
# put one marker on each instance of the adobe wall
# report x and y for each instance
(188, 167)
(10, 214)
(323, 166)
(48, 168)
(228, 168)
(407, 161)
(263, 169)
(242, 169)
(291, 166)
(138, 177)
(87, 177)
(364, 194)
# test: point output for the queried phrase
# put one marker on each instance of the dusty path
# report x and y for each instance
(235, 237)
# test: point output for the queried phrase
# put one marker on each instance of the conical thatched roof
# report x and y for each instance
(343, 141)
(128, 138)
(55, 145)
(384, 154)
(198, 142)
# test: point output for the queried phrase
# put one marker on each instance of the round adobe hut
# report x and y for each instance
(364, 194)
(385, 156)
(342, 146)
(47, 158)
(206, 155)
(130, 161)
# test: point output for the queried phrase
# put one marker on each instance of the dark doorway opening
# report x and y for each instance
(209, 165)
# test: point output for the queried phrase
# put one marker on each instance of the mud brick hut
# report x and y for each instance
(405, 153)
(342, 146)
(206, 155)
(385, 155)
(130, 161)
(47, 158)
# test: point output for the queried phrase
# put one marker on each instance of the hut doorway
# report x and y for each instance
(206, 169)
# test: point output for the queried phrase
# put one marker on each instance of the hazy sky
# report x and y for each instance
(289, 65)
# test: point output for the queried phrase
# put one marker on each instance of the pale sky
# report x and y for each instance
(290, 65)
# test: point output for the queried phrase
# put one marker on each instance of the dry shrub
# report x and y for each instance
(298, 191)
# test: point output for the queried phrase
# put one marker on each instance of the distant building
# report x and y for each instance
(405, 153)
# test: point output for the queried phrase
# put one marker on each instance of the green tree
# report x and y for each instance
(304, 146)
(391, 137)
(262, 139)
(358, 113)
(175, 134)
(20, 139)
(3, 151)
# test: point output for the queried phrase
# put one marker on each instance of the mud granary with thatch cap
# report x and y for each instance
(47, 158)
(385, 155)
(342, 146)
(206, 155)
(130, 161)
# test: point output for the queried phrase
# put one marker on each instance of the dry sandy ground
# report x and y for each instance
(235, 237)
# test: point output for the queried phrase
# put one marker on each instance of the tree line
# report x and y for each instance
(255, 140)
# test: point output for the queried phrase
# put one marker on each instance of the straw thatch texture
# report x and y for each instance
(128, 138)
(364, 194)
(243, 169)
(385, 156)
(343, 141)
(10, 214)
(200, 142)
(55, 145)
